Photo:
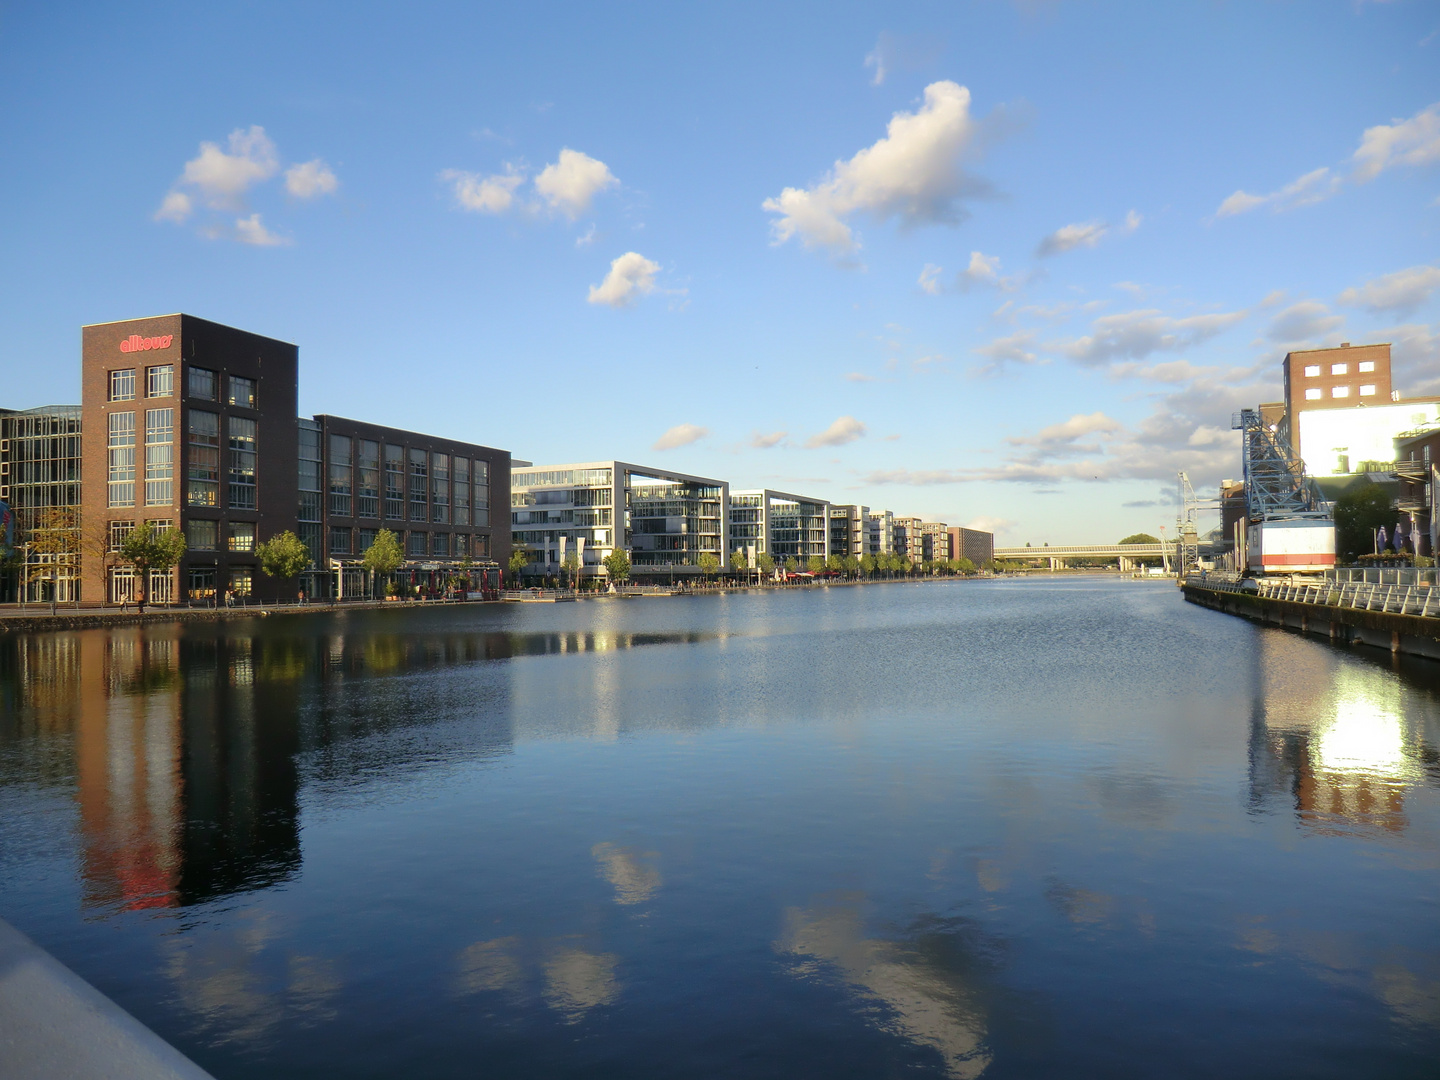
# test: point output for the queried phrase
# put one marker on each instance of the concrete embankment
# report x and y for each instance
(1414, 635)
(83, 619)
(55, 1024)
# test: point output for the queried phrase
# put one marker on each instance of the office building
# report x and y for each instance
(40, 483)
(972, 544)
(666, 520)
(849, 531)
(781, 524)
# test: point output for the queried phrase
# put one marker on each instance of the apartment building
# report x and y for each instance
(972, 544)
(880, 538)
(934, 541)
(849, 530)
(780, 523)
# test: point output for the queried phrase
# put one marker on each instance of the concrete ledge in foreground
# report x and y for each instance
(55, 1024)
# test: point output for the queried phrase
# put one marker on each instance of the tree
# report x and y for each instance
(518, 561)
(708, 562)
(867, 563)
(383, 557)
(765, 563)
(617, 564)
(283, 556)
(907, 564)
(1358, 513)
(792, 566)
(571, 565)
(850, 564)
(963, 565)
(816, 565)
(1136, 538)
(148, 548)
(738, 562)
(56, 537)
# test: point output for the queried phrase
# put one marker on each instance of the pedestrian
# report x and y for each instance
(229, 598)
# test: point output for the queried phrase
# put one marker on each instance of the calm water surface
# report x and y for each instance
(1000, 829)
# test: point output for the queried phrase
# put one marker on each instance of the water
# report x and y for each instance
(1010, 829)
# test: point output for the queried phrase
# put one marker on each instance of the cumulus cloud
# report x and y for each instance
(858, 376)
(1011, 349)
(930, 279)
(250, 231)
(570, 184)
(917, 478)
(1415, 352)
(631, 276)
(312, 178)
(176, 207)
(1313, 187)
(1134, 335)
(1403, 290)
(983, 271)
(492, 194)
(1303, 323)
(222, 178)
(680, 435)
(1415, 141)
(1069, 237)
(914, 174)
(1063, 437)
(896, 52)
(764, 441)
(846, 429)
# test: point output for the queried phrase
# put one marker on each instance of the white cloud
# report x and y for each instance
(913, 173)
(983, 270)
(587, 238)
(311, 178)
(222, 178)
(1069, 237)
(856, 376)
(1051, 439)
(569, 184)
(990, 524)
(1013, 348)
(930, 279)
(680, 435)
(1134, 335)
(1315, 186)
(176, 207)
(1403, 290)
(1302, 323)
(1415, 351)
(631, 276)
(764, 441)
(920, 478)
(845, 429)
(251, 231)
(1132, 221)
(493, 194)
(1404, 142)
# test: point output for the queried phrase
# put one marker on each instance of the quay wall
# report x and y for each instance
(1413, 635)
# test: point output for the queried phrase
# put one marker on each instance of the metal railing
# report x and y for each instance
(1422, 600)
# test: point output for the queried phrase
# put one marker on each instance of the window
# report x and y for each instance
(340, 540)
(462, 545)
(440, 487)
(310, 482)
(202, 475)
(202, 534)
(242, 462)
(1339, 391)
(119, 530)
(481, 547)
(242, 392)
(440, 544)
(242, 580)
(482, 492)
(242, 536)
(418, 473)
(1427, 453)
(367, 537)
(368, 479)
(122, 385)
(395, 483)
(1311, 370)
(202, 383)
(160, 380)
(159, 457)
(462, 490)
(1367, 391)
(340, 481)
(202, 583)
(1314, 394)
(417, 544)
(121, 452)
(1339, 369)
(1366, 366)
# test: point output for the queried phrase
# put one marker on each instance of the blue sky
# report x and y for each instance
(1000, 263)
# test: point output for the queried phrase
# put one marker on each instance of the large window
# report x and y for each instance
(417, 544)
(395, 482)
(160, 380)
(242, 392)
(242, 462)
(462, 491)
(242, 536)
(202, 583)
(242, 580)
(418, 474)
(440, 544)
(311, 485)
(202, 534)
(202, 474)
(482, 491)
(366, 538)
(159, 457)
(339, 473)
(122, 385)
(340, 540)
(119, 530)
(121, 451)
(440, 487)
(202, 383)
(368, 479)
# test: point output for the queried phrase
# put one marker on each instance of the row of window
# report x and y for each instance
(1315, 393)
(437, 487)
(1363, 367)
(203, 384)
(159, 458)
(346, 541)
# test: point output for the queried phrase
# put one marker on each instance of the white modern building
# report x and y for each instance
(849, 530)
(666, 520)
(779, 523)
(881, 540)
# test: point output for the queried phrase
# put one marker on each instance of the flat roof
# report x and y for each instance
(619, 466)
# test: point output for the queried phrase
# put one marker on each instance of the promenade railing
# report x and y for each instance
(1422, 600)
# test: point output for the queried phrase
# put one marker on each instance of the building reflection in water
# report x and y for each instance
(1330, 737)
(930, 983)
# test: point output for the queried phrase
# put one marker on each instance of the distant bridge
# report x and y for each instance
(1059, 557)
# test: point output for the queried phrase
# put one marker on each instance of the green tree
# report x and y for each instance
(518, 560)
(738, 562)
(148, 548)
(1358, 513)
(963, 565)
(907, 564)
(765, 563)
(850, 564)
(571, 565)
(283, 556)
(816, 565)
(792, 566)
(867, 564)
(617, 565)
(383, 557)
(1136, 538)
(709, 563)
(56, 538)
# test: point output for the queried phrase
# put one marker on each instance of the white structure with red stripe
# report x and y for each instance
(1291, 546)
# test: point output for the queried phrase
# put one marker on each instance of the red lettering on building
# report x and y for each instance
(136, 343)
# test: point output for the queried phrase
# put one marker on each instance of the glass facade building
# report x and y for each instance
(40, 455)
(781, 524)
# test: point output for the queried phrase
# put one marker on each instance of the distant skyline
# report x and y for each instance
(1007, 265)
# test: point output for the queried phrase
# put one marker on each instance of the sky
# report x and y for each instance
(1002, 264)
